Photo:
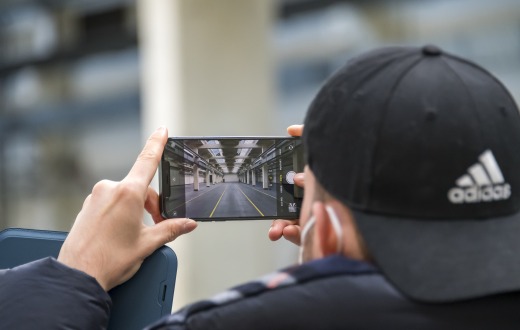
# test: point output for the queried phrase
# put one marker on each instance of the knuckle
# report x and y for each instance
(87, 200)
(128, 189)
(101, 187)
(123, 190)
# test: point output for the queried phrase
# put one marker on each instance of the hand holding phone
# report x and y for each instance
(108, 239)
(231, 178)
(289, 229)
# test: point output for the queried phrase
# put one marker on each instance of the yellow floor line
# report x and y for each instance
(186, 202)
(211, 215)
(260, 191)
(252, 203)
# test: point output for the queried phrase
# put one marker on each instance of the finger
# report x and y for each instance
(292, 234)
(277, 227)
(151, 205)
(299, 179)
(146, 164)
(167, 231)
(87, 201)
(295, 130)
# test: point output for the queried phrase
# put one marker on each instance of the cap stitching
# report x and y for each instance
(474, 105)
(489, 74)
(339, 77)
(382, 122)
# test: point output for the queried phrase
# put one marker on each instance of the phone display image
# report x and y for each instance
(224, 178)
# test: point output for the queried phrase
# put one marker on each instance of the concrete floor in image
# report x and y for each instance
(230, 200)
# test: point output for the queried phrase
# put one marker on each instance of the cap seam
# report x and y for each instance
(474, 105)
(489, 74)
(380, 128)
(353, 91)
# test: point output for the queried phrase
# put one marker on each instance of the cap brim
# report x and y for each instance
(445, 260)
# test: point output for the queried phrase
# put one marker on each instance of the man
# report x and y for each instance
(410, 217)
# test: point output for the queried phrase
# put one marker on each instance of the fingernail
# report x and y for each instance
(295, 126)
(161, 129)
(299, 176)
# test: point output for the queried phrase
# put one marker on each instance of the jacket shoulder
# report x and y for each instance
(337, 293)
(289, 298)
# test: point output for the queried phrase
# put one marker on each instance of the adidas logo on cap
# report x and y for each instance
(483, 183)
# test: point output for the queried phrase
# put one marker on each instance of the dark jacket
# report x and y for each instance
(331, 293)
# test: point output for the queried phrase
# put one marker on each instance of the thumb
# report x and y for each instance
(168, 230)
(299, 179)
(295, 130)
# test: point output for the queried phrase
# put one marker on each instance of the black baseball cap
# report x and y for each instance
(424, 148)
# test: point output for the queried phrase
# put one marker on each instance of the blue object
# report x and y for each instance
(136, 303)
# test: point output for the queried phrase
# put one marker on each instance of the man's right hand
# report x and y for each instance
(109, 240)
(289, 228)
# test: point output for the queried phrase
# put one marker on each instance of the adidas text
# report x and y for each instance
(479, 194)
(483, 182)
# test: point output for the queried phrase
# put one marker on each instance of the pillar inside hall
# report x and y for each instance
(253, 174)
(207, 70)
(265, 183)
(208, 173)
(196, 172)
(247, 179)
(196, 184)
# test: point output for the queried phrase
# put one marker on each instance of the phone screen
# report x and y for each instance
(231, 178)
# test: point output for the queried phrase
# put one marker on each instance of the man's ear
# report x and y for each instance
(327, 238)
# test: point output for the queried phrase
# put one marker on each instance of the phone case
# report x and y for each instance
(136, 303)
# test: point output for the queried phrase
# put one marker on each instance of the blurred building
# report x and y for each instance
(69, 97)
(312, 38)
(82, 82)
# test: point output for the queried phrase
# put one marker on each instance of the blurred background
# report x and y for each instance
(84, 82)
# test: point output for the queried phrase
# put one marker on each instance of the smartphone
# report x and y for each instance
(231, 178)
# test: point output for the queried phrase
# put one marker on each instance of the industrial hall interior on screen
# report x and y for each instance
(229, 178)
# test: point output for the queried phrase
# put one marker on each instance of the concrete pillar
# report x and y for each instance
(265, 180)
(254, 177)
(247, 179)
(195, 177)
(202, 63)
(208, 173)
